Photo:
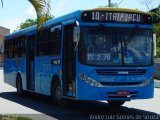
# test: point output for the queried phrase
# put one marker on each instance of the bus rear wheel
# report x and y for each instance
(19, 86)
(115, 103)
(57, 97)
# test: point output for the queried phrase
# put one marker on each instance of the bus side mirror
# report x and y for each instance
(76, 34)
(154, 43)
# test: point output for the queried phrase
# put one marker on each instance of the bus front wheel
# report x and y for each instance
(57, 97)
(19, 86)
(115, 103)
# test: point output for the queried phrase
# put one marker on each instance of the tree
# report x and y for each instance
(156, 26)
(42, 8)
(27, 23)
(30, 22)
(156, 30)
(155, 14)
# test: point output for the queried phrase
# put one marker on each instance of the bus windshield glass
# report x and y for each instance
(115, 46)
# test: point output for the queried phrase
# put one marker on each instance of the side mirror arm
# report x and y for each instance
(76, 36)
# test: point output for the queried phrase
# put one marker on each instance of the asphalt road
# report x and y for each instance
(40, 107)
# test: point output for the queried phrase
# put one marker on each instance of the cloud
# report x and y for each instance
(12, 24)
(30, 11)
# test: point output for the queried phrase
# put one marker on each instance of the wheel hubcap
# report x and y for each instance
(58, 93)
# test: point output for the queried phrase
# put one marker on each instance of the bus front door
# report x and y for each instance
(30, 62)
(69, 89)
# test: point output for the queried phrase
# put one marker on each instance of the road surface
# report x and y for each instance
(40, 107)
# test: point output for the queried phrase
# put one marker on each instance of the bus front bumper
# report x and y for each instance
(88, 92)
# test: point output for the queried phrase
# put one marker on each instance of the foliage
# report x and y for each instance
(27, 23)
(31, 22)
(156, 27)
(13, 117)
(156, 30)
(42, 8)
(155, 14)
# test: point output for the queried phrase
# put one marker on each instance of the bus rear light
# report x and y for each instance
(90, 81)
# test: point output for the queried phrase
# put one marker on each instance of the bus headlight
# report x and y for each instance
(90, 80)
(147, 82)
(96, 84)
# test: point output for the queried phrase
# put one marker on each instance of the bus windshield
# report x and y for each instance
(115, 46)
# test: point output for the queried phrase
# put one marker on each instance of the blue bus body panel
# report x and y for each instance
(11, 68)
(116, 25)
(87, 92)
(45, 72)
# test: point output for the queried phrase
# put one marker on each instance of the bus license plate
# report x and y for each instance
(123, 92)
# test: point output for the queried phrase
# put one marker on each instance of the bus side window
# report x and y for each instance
(18, 51)
(54, 42)
(22, 47)
(41, 44)
(10, 49)
(48, 43)
(17, 48)
(6, 48)
(13, 48)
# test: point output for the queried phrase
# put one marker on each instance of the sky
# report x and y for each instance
(14, 13)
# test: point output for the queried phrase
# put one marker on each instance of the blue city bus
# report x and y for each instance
(97, 54)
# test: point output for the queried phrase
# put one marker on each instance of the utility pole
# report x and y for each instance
(109, 3)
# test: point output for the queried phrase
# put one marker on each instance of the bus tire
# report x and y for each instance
(19, 86)
(56, 94)
(116, 103)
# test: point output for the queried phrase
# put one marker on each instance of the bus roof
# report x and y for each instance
(33, 28)
(76, 14)
(118, 10)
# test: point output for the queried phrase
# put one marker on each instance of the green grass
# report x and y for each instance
(13, 117)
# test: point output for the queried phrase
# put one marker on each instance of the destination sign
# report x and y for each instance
(116, 17)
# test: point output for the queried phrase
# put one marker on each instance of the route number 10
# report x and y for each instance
(95, 15)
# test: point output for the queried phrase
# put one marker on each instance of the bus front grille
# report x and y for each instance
(120, 83)
(121, 72)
